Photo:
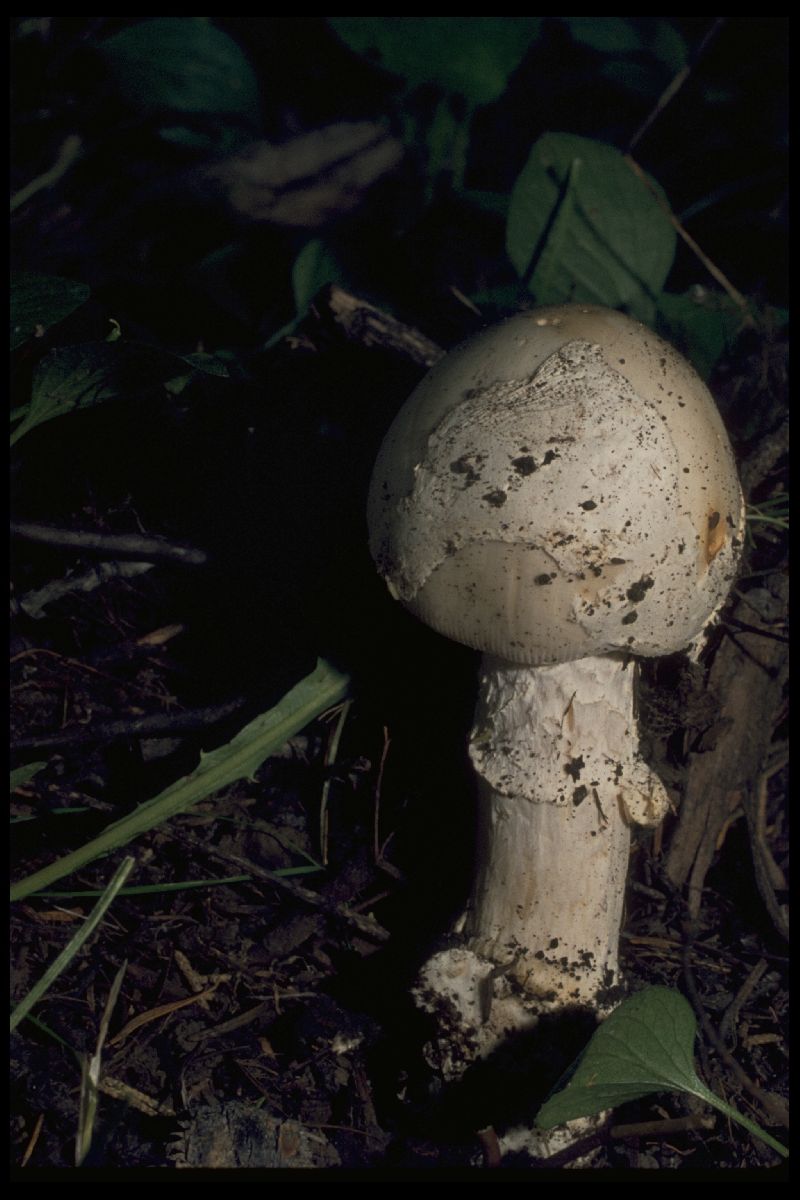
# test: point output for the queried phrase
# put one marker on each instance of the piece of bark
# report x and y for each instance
(370, 326)
(233, 1134)
(34, 603)
(124, 729)
(748, 674)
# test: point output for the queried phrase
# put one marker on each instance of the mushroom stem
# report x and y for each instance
(561, 781)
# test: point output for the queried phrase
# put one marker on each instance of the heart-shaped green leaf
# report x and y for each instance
(645, 1046)
(583, 228)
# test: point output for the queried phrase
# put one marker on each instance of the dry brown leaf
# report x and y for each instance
(311, 179)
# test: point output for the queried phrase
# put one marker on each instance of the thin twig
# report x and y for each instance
(77, 665)
(161, 1010)
(331, 751)
(669, 944)
(376, 818)
(34, 1138)
(759, 630)
(727, 1025)
(377, 1137)
(369, 326)
(769, 877)
(674, 86)
(134, 1098)
(155, 725)
(368, 927)
(34, 603)
(774, 872)
(68, 153)
(114, 545)
(710, 266)
(774, 1106)
(665, 1127)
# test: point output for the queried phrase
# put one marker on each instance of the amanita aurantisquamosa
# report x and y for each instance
(559, 492)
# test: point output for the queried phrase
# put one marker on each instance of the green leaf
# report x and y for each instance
(39, 301)
(447, 141)
(91, 1067)
(72, 378)
(645, 1046)
(702, 326)
(625, 38)
(182, 65)
(667, 44)
(60, 964)
(157, 889)
(473, 56)
(609, 35)
(315, 265)
(583, 228)
(22, 775)
(84, 376)
(207, 364)
(500, 300)
(199, 364)
(239, 759)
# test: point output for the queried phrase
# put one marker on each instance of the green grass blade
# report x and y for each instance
(90, 1074)
(73, 946)
(22, 775)
(157, 889)
(239, 759)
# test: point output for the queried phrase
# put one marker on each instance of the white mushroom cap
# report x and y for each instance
(559, 486)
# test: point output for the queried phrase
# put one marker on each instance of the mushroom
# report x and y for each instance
(559, 492)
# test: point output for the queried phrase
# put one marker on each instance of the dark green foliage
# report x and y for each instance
(40, 301)
(182, 65)
(471, 56)
(645, 1046)
(582, 227)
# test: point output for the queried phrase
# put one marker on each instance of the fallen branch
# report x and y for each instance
(368, 927)
(113, 545)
